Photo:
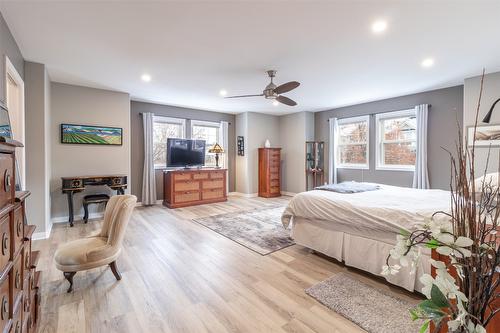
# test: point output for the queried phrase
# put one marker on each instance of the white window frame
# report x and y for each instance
(170, 120)
(379, 165)
(344, 121)
(205, 123)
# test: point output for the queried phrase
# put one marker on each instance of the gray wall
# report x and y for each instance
(9, 48)
(446, 111)
(491, 92)
(137, 147)
(37, 145)
(88, 106)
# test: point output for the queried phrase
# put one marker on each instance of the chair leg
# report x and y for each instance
(69, 277)
(115, 271)
(86, 214)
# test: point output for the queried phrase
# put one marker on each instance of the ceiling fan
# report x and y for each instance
(272, 91)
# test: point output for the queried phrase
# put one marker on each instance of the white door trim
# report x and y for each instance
(11, 71)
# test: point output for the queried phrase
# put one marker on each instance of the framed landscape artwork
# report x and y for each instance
(91, 135)
(486, 136)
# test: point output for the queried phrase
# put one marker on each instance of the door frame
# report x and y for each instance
(11, 71)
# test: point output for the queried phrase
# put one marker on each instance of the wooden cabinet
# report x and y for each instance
(269, 172)
(182, 188)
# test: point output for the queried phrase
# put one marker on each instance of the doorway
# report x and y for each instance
(15, 104)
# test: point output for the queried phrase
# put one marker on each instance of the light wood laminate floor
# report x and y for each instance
(179, 276)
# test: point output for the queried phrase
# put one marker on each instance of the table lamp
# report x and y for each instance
(216, 149)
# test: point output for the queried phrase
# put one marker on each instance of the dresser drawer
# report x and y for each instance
(274, 176)
(216, 175)
(200, 175)
(209, 184)
(187, 186)
(6, 179)
(274, 182)
(17, 321)
(4, 304)
(186, 197)
(5, 249)
(16, 279)
(212, 194)
(274, 189)
(274, 169)
(182, 176)
(18, 229)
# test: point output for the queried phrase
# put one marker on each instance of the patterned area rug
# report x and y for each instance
(259, 230)
(364, 305)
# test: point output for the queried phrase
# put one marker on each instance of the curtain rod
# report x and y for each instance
(141, 113)
(373, 114)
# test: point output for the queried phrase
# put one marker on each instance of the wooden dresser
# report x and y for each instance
(19, 280)
(182, 188)
(269, 172)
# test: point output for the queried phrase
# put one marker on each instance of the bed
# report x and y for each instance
(361, 228)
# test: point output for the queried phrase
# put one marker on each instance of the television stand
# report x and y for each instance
(189, 187)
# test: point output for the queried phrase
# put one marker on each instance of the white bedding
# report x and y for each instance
(387, 210)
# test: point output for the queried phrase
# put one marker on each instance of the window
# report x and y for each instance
(208, 131)
(164, 128)
(397, 140)
(352, 143)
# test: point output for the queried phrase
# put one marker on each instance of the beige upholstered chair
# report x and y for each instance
(102, 249)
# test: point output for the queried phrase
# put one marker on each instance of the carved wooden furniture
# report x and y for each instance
(93, 199)
(182, 188)
(315, 165)
(72, 185)
(101, 250)
(19, 280)
(269, 172)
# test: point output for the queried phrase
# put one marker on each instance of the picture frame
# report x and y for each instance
(91, 135)
(486, 136)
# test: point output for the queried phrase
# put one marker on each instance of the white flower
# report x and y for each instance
(457, 247)
(427, 281)
(440, 227)
(390, 270)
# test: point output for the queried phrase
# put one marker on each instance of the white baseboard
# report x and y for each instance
(62, 219)
(242, 195)
(290, 194)
(43, 234)
(158, 202)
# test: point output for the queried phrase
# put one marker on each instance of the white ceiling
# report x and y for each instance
(194, 49)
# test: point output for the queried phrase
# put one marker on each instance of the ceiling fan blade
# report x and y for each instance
(244, 96)
(286, 100)
(285, 87)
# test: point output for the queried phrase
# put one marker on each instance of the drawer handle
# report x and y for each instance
(5, 243)
(27, 261)
(6, 181)
(19, 227)
(5, 308)
(17, 280)
(18, 328)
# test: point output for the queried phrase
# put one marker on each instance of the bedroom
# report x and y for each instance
(113, 100)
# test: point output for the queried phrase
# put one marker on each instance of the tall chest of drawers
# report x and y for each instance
(19, 281)
(269, 172)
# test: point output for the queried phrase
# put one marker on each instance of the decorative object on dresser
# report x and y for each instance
(241, 145)
(91, 135)
(72, 185)
(269, 172)
(101, 250)
(216, 149)
(182, 188)
(19, 280)
(315, 164)
(93, 199)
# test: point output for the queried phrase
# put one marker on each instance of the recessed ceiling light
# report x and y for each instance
(146, 77)
(276, 103)
(379, 26)
(427, 62)
(223, 92)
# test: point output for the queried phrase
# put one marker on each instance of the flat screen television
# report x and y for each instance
(185, 153)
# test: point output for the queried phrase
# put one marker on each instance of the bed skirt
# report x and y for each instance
(358, 250)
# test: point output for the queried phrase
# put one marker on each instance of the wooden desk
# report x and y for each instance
(72, 185)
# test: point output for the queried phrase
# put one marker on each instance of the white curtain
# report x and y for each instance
(224, 143)
(332, 144)
(148, 176)
(421, 176)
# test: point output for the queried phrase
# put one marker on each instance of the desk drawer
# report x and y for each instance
(182, 176)
(187, 186)
(209, 184)
(5, 249)
(18, 229)
(6, 179)
(186, 196)
(212, 194)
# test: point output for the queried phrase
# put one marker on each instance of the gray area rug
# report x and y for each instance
(259, 230)
(364, 305)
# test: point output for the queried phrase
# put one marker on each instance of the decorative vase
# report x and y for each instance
(267, 144)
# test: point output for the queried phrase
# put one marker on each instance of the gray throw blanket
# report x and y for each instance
(349, 187)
